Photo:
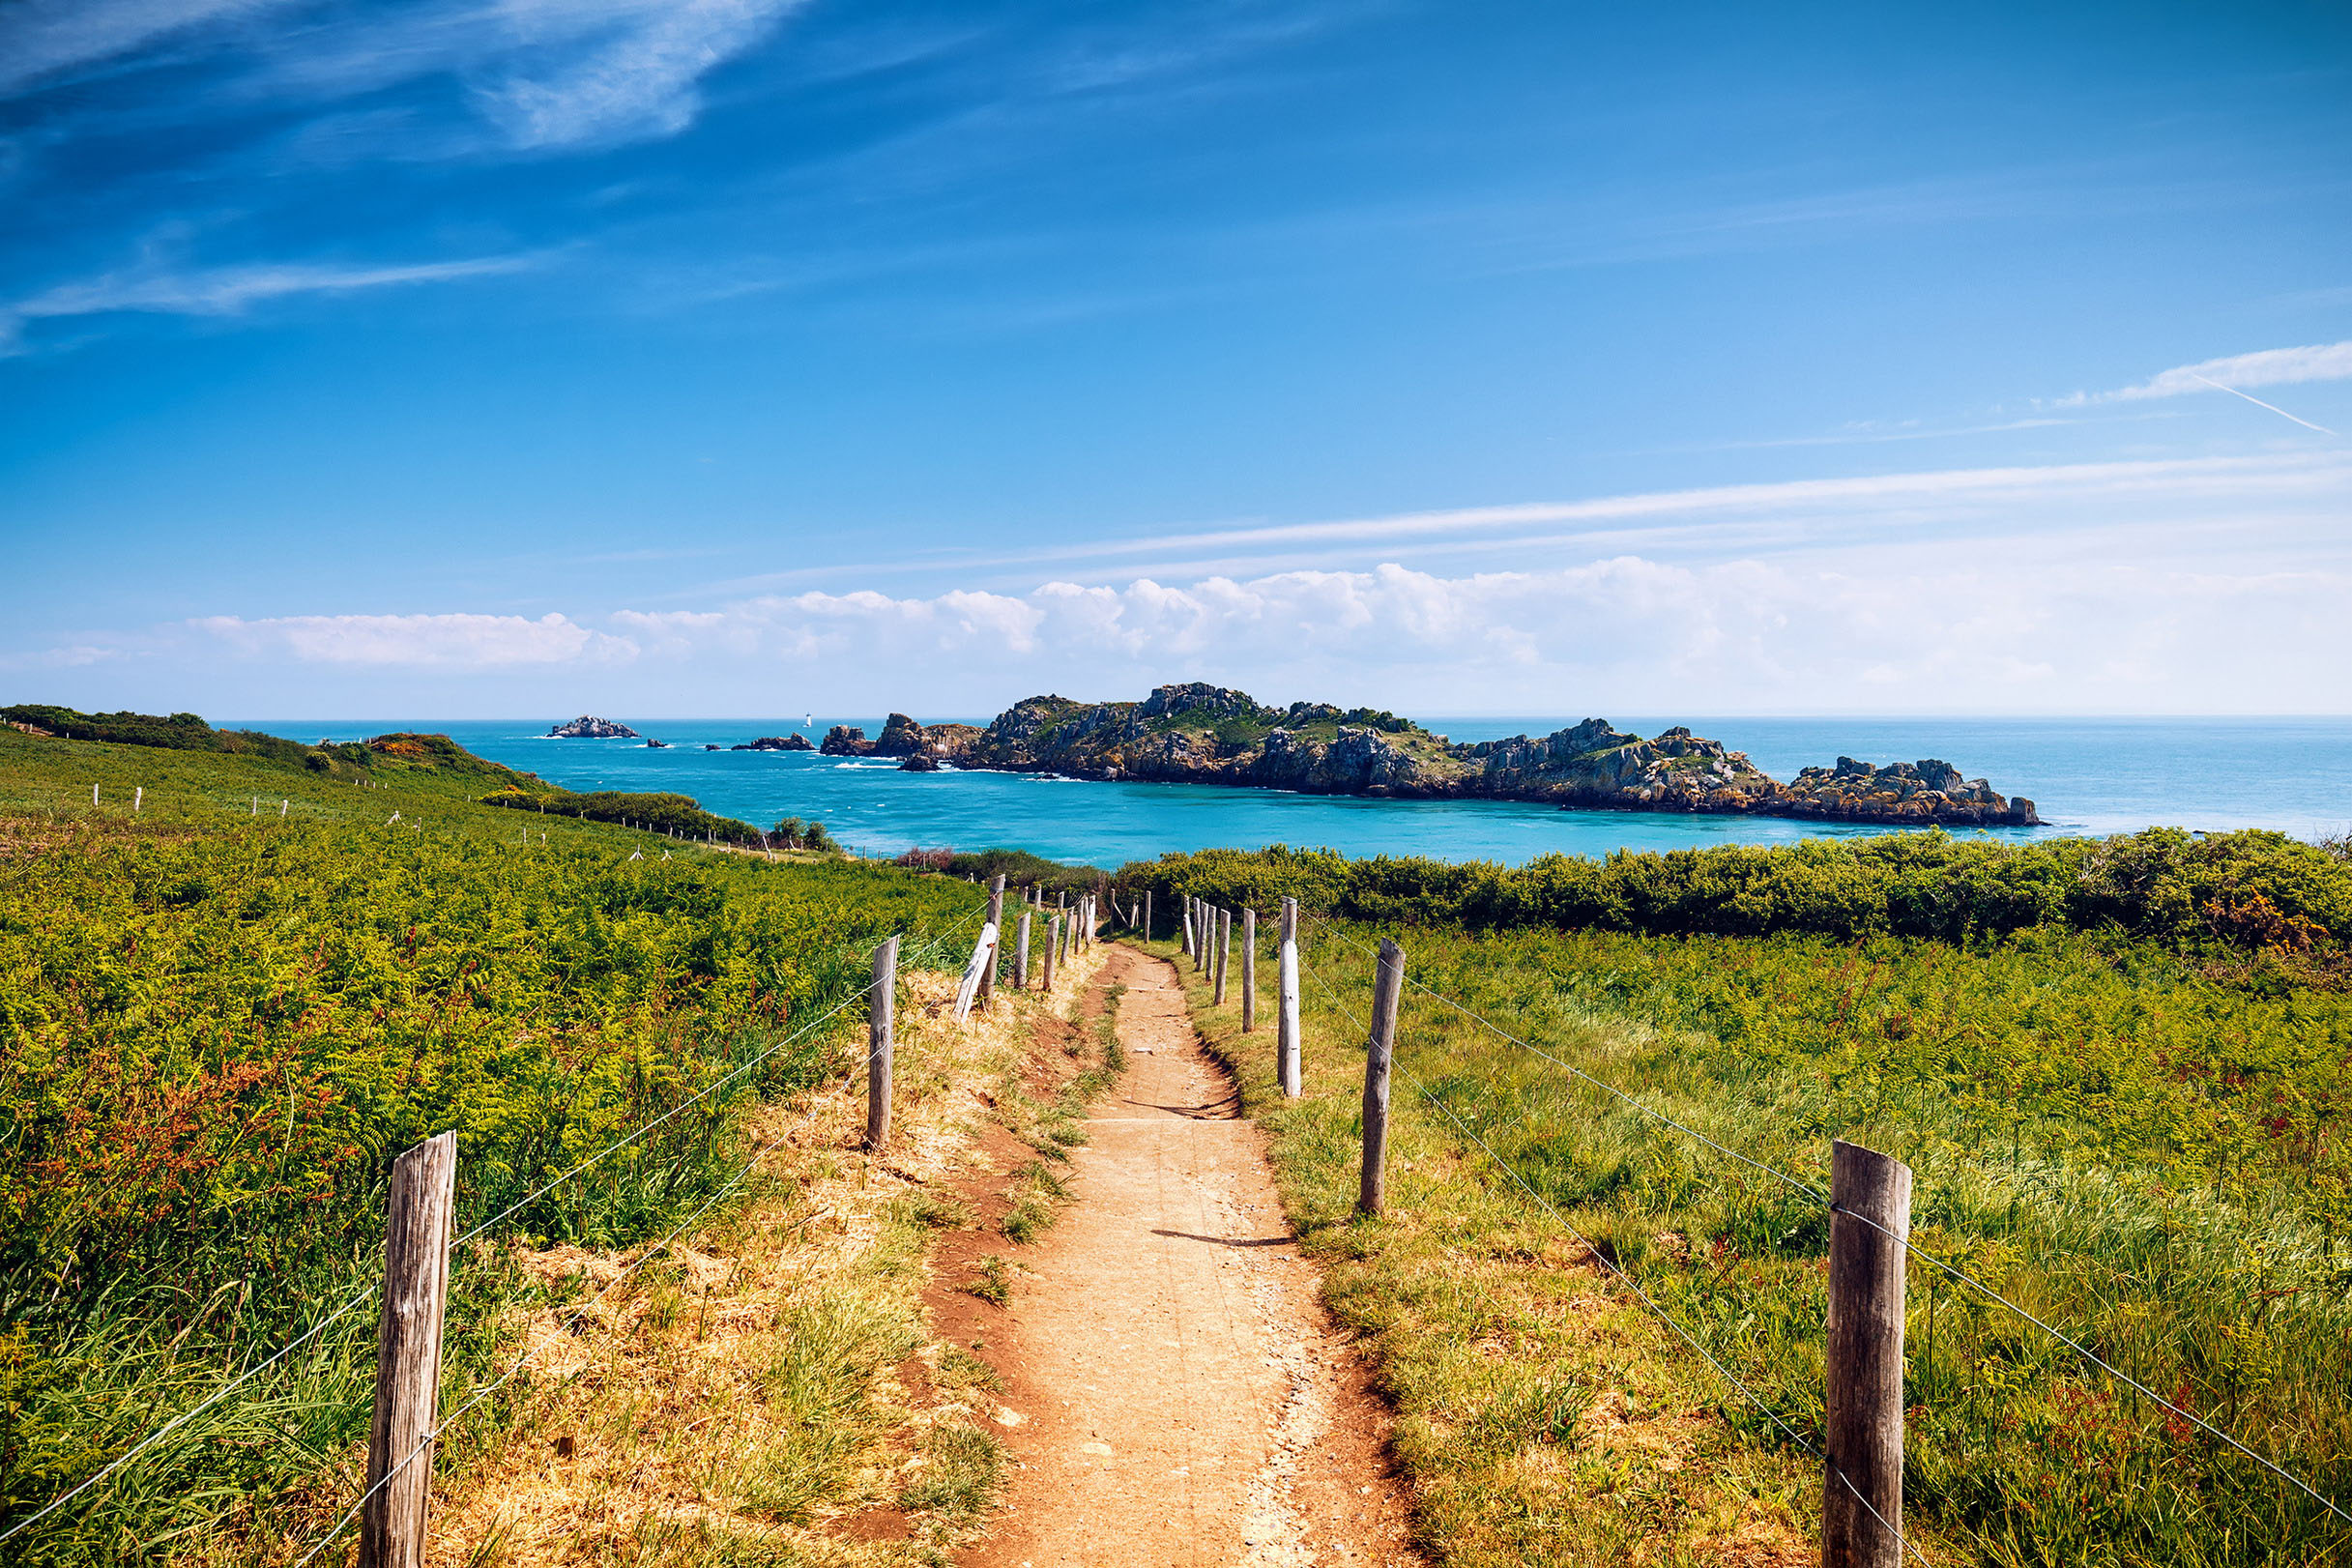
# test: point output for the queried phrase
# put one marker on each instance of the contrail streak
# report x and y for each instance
(2259, 403)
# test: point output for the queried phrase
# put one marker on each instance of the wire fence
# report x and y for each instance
(374, 1287)
(1324, 928)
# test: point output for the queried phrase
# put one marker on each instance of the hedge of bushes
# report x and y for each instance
(2254, 889)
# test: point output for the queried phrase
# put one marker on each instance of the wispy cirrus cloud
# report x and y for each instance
(2234, 373)
(2265, 368)
(542, 74)
(1780, 515)
(226, 291)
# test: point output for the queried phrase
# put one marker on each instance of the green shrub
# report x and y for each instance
(2247, 890)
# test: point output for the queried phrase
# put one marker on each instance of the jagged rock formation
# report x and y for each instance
(1201, 733)
(588, 728)
(776, 742)
(901, 737)
(919, 763)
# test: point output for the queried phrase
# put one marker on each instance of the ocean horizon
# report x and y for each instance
(2094, 775)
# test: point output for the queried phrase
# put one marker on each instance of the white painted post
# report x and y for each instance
(1286, 1039)
(882, 1004)
(138, 798)
(1249, 971)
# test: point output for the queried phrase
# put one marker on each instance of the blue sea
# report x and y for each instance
(2096, 775)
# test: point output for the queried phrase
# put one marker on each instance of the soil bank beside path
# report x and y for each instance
(1180, 1397)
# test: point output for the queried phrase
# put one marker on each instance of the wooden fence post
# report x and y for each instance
(1286, 1020)
(1249, 971)
(1203, 932)
(1185, 908)
(1870, 1217)
(1221, 925)
(882, 1006)
(408, 1356)
(1378, 1051)
(1147, 915)
(1021, 955)
(996, 918)
(1053, 942)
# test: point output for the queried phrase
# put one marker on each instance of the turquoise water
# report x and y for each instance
(2086, 775)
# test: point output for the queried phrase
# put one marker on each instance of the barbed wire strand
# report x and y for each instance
(1909, 1247)
(160, 1433)
(1629, 1282)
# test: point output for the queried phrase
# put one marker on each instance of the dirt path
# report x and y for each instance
(1181, 1397)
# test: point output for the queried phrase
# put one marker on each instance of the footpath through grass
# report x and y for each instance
(2139, 1146)
(221, 1019)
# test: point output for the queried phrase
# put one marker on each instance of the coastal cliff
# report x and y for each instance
(1200, 733)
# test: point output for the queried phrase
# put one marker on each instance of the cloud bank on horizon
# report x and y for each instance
(1852, 597)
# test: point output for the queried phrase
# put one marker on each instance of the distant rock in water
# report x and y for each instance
(775, 743)
(901, 737)
(919, 762)
(1200, 733)
(710, 746)
(659, 745)
(586, 728)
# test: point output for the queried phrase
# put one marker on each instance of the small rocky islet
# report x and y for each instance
(587, 727)
(1198, 733)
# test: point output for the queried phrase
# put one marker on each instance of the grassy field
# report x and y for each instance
(2137, 1144)
(222, 1014)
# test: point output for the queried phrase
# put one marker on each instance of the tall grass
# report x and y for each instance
(2136, 1152)
(216, 1031)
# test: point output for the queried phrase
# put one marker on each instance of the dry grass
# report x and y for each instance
(770, 1393)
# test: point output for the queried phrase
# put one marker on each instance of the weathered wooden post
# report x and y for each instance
(1378, 1051)
(1869, 1218)
(1021, 955)
(93, 796)
(1052, 940)
(1185, 908)
(1221, 929)
(1285, 1024)
(882, 1005)
(138, 798)
(1203, 932)
(1249, 971)
(1147, 915)
(996, 918)
(408, 1356)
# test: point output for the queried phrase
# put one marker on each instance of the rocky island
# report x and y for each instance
(1200, 733)
(776, 742)
(588, 728)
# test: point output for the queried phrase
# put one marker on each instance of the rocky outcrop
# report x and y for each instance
(1927, 791)
(1201, 733)
(919, 762)
(901, 737)
(776, 742)
(588, 728)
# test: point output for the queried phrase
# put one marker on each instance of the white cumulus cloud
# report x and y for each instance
(427, 641)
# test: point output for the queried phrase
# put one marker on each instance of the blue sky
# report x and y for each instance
(488, 357)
